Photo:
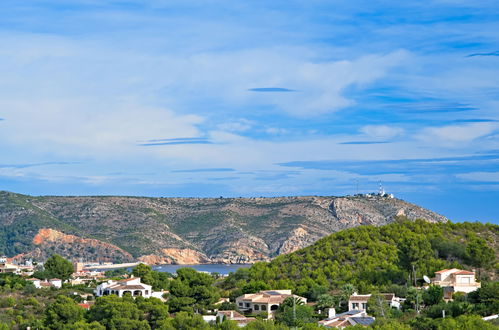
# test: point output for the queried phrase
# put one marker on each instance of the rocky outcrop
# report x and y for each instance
(186, 230)
(48, 241)
(175, 256)
(299, 239)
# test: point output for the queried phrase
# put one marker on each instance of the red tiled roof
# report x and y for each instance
(359, 297)
(86, 306)
(464, 272)
(128, 287)
(442, 271)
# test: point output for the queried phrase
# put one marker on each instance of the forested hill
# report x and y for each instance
(184, 230)
(377, 258)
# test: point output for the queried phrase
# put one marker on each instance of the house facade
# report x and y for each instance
(54, 282)
(359, 301)
(132, 286)
(455, 280)
(264, 301)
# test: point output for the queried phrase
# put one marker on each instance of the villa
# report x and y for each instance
(132, 286)
(455, 280)
(264, 301)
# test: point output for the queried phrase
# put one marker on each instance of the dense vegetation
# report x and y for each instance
(376, 258)
(365, 259)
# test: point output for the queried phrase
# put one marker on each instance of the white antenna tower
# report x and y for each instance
(381, 190)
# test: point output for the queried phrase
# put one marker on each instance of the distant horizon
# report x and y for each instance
(231, 98)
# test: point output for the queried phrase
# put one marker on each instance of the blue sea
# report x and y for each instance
(223, 269)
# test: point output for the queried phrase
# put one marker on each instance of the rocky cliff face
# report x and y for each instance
(49, 241)
(185, 230)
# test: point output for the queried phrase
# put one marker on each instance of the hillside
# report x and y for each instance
(185, 230)
(377, 258)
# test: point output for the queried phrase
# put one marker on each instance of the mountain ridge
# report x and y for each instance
(183, 230)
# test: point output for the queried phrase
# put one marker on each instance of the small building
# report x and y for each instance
(132, 286)
(344, 320)
(359, 301)
(455, 280)
(54, 282)
(6, 266)
(264, 301)
(235, 316)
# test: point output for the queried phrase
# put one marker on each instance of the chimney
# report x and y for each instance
(331, 313)
(231, 314)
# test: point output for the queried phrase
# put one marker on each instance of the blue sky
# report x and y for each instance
(253, 98)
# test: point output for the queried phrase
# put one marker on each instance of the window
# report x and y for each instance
(247, 305)
(264, 307)
(241, 304)
(256, 307)
(364, 306)
(355, 305)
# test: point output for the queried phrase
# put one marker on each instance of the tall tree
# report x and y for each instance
(57, 266)
(62, 312)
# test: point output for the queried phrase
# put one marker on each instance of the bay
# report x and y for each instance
(223, 269)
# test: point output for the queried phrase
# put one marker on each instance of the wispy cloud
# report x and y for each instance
(271, 89)
(484, 54)
(364, 142)
(27, 165)
(204, 170)
(175, 141)
(475, 120)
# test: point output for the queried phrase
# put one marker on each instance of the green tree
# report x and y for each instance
(185, 321)
(293, 312)
(158, 280)
(325, 301)
(154, 311)
(82, 325)
(433, 295)
(227, 306)
(111, 310)
(463, 322)
(265, 325)
(480, 254)
(377, 306)
(59, 267)
(192, 291)
(62, 312)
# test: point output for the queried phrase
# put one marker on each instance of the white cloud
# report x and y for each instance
(456, 134)
(241, 125)
(480, 176)
(382, 132)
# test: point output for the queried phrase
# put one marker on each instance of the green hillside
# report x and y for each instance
(377, 258)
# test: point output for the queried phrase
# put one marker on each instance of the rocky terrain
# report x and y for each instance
(184, 230)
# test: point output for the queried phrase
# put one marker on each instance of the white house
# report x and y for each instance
(264, 301)
(359, 301)
(54, 282)
(455, 280)
(131, 286)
